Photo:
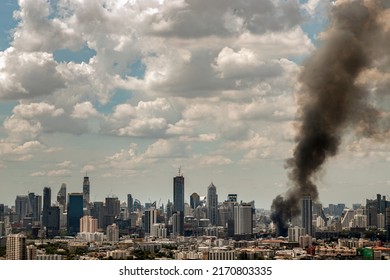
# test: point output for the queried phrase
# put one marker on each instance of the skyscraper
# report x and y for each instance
(232, 197)
(46, 205)
(75, 212)
(307, 214)
(61, 197)
(53, 220)
(112, 232)
(243, 218)
(37, 208)
(194, 200)
(150, 218)
(31, 201)
(178, 201)
(212, 204)
(137, 205)
(130, 206)
(112, 210)
(97, 212)
(2, 212)
(16, 247)
(46, 197)
(21, 207)
(86, 192)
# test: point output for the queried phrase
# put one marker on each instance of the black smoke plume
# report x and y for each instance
(331, 98)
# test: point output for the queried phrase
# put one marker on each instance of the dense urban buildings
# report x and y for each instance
(72, 227)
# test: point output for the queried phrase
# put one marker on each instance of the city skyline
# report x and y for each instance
(202, 197)
(129, 91)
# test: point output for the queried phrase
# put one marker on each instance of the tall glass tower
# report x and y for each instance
(130, 203)
(46, 206)
(61, 197)
(75, 212)
(212, 204)
(86, 190)
(178, 201)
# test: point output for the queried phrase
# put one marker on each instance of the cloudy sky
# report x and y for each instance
(129, 91)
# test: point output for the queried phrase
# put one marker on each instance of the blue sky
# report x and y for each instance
(129, 91)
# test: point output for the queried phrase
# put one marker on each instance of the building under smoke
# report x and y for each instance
(334, 96)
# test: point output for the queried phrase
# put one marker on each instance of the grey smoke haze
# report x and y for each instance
(334, 97)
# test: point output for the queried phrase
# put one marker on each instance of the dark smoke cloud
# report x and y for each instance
(330, 99)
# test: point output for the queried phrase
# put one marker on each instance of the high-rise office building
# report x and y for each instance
(21, 207)
(150, 218)
(178, 201)
(37, 212)
(46, 197)
(137, 205)
(2, 212)
(86, 192)
(111, 210)
(243, 219)
(2, 229)
(307, 214)
(168, 211)
(74, 212)
(177, 224)
(387, 223)
(130, 203)
(61, 197)
(212, 204)
(97, 212)
(16, 247)
(31, 201)
(194, 200)
(232, 197)
(46, 205)
(178, 193)
(53, 220)
(34, 206)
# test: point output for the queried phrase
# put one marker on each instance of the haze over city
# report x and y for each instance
(130, 91)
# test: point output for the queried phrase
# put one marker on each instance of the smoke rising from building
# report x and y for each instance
(335, 95)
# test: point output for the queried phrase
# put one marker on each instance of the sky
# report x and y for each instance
(130, 91)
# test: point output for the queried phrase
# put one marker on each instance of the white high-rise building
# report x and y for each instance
(150, 219)
(159, 231)
(16, 247)
(294, 233)
(359, 221)
(380, 219)
(112, 233)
